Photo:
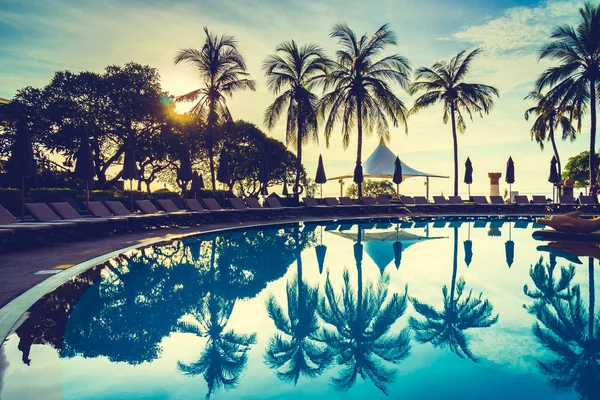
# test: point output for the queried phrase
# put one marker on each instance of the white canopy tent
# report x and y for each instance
(380, 164)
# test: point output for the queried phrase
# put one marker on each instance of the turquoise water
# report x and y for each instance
(428, 310)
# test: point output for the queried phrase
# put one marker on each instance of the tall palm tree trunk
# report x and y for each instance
(592, 132)
(592, 302)
(299, 270)
(360, 140)
(554, 148)
(455, 143)
(210, 143)
(359, 295)
(454, 267)
(298, 156)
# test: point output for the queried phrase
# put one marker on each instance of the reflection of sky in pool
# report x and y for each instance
(226, 315)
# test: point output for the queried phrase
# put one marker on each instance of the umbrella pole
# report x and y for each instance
(23, 198)
(131, 193)
(397, 190)
(469, 192)
(87, 196)
(321, 190)
(509, 193)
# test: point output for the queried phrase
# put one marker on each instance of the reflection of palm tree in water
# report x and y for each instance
(446, 328)
(360, 323)
(571, 331)
(302, 354)
(224, 356)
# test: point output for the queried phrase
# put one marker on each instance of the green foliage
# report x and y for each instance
(578, 168)
(247, 145)
(46, 195)
(11, 200)
(372, 188)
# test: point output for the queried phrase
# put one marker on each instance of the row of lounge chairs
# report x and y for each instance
(63, 219)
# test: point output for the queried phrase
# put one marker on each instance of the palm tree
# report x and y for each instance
(361, 94)
(548, 118)
(304, 353)
(224, 357)
(572, 332)
(446, 328)
(297, 71)
(358, 328)
(574, 81)
(444, 82)
(223, 72)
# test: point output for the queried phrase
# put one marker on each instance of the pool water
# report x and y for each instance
(452, 309)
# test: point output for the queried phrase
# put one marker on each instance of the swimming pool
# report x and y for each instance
(428, 309)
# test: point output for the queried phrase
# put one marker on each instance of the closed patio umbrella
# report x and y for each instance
(84, 167)
(185, 173)
(263, 176)
(21, 163)
(320, 178)
(321, 250)
(509, 248)
(510, 176)
(223, 174)
(397, 178)
(554, 177)
(397, 246)
(130, 171)
(197, 184)
(468, 175)
(468, 245)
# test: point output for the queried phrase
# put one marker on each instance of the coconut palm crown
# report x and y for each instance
(574, 81)
(223, 72)
(292, 72)
(361, 95)
(445, 83)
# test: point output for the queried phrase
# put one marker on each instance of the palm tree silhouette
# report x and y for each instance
(444, 82)
(573, 81)
(223, 72)
(548, 290)
(303, 353)
(572, 332)
(224, 356)
(548, 118)
(358, 328)
(446, 328)
(298, 70)
(361, 93)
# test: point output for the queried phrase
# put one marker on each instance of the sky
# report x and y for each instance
(39, 37)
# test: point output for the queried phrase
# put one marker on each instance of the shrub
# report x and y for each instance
(373, 188)
(46, 195)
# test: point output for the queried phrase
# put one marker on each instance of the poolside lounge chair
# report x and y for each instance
(331, 202)
(480, 223)
(457, 200)
(539, 199)
(383, 200)
(406, 200)
(347, 201)
(569, 200)
(194, 205)
(589, 203)
(43, 213)
(273, 203)
(238, 204)
(497, 200)
(421, 200)
(521, 200)
(8, 221)
(440, 200)
(117, 208)
(480, 200)
(68, 212)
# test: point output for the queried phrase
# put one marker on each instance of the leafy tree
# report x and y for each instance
(573, 82)
(446, 328)
(445, 82)
(357, 328)
(247, 146)
(578, 168)
(548, 118)
(372, 188)
(223, 72)
(360, 94)
(295, 71)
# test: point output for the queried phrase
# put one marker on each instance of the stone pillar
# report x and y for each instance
(494, 183)
(567, 187)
